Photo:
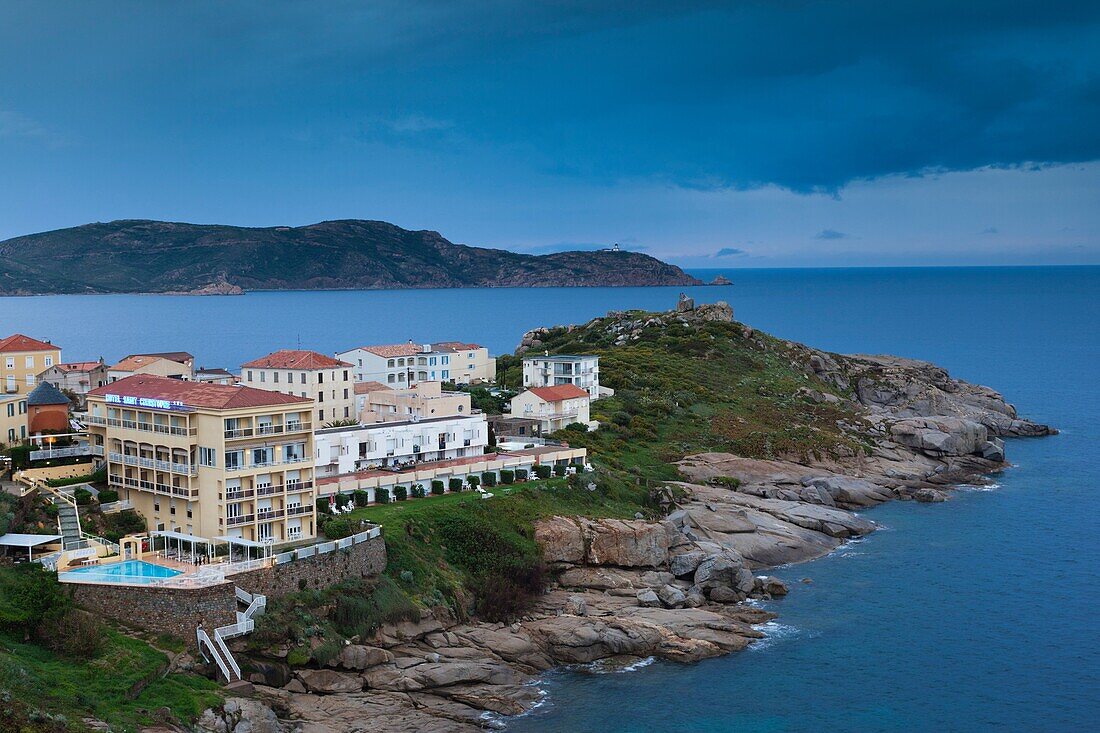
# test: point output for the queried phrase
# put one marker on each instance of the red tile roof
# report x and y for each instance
(454, 346)
(390, 350)
(368, 387)
(295, 359)
(79, 366)
(19, 342)
(559, 392)
(135, 361)
(196, 394)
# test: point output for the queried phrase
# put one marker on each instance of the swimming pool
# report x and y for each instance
(128, 571)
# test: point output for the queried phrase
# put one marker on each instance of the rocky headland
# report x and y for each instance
(676, 586)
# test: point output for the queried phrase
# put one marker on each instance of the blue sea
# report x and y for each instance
(982, 613)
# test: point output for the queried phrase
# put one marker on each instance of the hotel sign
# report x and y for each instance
(148, 402)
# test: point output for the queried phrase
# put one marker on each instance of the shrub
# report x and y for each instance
(730, 482)
(360, 497)
(382, 496)
(489, 479)
(543, 471)
(418, 491)
(120, 524)
(20, 456)
(621, 418)
(455, 484)
(507, 476)
(342, 500)
(576, 427)
(521, 474)
(327, 651)
(400, 493)
(559, 470)
(360, 610)
(30, 598)
(324, 506)
(337, 528)
(83, 496)
(437, 487)
(473, 480)
(108, 496)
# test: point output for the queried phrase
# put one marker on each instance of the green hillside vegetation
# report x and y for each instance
(59, 666)
(686, 389)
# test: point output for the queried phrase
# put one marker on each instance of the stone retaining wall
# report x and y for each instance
(178, 611)
(364, 560)
(173, 611)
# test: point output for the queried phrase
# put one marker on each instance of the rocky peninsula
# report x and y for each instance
(672, 582)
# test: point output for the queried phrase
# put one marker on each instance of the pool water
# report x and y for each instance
(127, 571)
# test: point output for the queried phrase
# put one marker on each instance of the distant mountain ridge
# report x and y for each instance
(143, 256)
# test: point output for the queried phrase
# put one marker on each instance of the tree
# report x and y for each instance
(30, 597)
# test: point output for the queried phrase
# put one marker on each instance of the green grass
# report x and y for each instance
(108, 687)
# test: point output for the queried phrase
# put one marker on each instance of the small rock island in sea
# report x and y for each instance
(723, 452)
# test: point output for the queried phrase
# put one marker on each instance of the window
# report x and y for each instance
(446, 360)
(290, 377)
(11, 434)
(22, 407)
(233, 460)
(11, 362)
(391, 378)
(49, 361)
(320, 377)
(29, 362)
(303, 377)
(30, 380)
(206, 457)
(346, 414)
(250, 375)
(390, 363)
(263, 456)
(275, 377)
(320, 414)
(156, 505)
(345, 375)
(294, 453)
(345, 394)
(263, 376)
(11, 409)
(320, 396)
(446, 373)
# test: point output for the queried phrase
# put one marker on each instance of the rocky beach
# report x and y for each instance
(676, 587)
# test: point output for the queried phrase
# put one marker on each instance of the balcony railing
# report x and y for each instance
(186, 469)
(238, 433)
(239, 519)
(269, 429)
(293, 511)
(293, 486)
(134, 483)
(235, 494)
(146, 427)
(269, 490)
(264, 515)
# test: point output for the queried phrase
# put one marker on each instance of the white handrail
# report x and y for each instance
(220, 641)
(202, 637)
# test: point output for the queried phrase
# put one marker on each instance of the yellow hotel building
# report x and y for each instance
(209, 460)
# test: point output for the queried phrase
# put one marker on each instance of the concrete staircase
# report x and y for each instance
(68, 524)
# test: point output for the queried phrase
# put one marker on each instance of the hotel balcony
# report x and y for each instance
(157, 488)
(186, 469)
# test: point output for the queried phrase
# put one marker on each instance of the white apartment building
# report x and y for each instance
(325, 380)
(554, 407)
(399, 444)
(402, 364)
(579, 370)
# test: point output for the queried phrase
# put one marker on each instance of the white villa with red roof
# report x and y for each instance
(327, 381)
(555, 407)
(396, 365)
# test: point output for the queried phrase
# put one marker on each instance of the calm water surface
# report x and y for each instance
(977, 614)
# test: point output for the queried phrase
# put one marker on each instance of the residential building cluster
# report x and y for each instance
(211, 453)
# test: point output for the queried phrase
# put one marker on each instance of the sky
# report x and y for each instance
(725, 135)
